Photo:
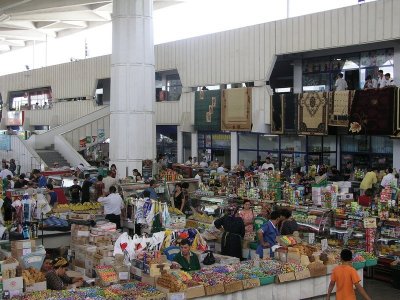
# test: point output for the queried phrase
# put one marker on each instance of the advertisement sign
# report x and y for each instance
(101, 136)
(147, 169)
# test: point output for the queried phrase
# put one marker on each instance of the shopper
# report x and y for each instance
(368, 181)
(345, 277)
(370, 83)
(288, 225)
(47, 265)
(268, 164)
(267, 234)
(204, 163)
(109, 181)
(381, 80)
(51, 195)
(113, 206)
(187, 260)
(21, 182)
(151, 190)
(348, 171)
(136, 175)
(13, 166)
(265, 212)
(340, 83)
(86, 189)
(11, 182)
(247, 216)
(57, 278)
(221, 168)
(388, 81)
(189, 162)
(199, 175)
(233, 232)
(5, 172)
(388, 179)
(99, 187)
(75, 192)
(113, 170)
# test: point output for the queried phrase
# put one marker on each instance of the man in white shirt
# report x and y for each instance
(5, 172)
(109, 181)
(268, 164)
(388, 179)
(340, 84)
(381, 80)
(221, 168)
(199, 175)
(204, 163)
(388, 81)
(113, 206)
(189, 162)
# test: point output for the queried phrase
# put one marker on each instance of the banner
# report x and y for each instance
(5, 142)
(101, 136)
(207, 114)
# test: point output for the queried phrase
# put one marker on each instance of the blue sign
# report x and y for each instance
(5, 142)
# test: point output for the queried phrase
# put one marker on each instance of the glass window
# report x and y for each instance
(221, 141)
(381, 144)
(316, 82)
(247, 156)
(200, 140)
(248, 141)
(174, 87)
(273, 155)
(357, 143)
(293, 143)
(314, 143)
(329, 143)
(267, 142)
(329, 159)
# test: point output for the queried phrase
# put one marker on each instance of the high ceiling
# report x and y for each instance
(24, 21)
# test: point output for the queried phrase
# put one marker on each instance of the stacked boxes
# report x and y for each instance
(11, 283)
(22, 247)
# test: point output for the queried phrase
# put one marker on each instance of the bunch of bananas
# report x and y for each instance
(85, 206)
(174, 211)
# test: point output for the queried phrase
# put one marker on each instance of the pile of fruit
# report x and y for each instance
(78, 207)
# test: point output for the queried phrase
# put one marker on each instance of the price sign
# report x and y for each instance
(311, 238)
(370, 223)
(324, 244)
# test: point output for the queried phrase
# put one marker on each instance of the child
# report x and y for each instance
(346, 277)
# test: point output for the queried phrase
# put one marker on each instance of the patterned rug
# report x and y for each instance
(372, 112)
(236, 109)
(313, 113)
(339, 108)
(207, 114)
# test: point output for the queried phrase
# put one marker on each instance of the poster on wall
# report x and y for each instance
(101, 136)
(147, 169)
(5, 142)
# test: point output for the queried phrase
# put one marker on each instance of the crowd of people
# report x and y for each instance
(382, 81)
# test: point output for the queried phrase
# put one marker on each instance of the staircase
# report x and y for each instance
(50, 156)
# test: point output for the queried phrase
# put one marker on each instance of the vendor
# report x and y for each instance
(247, 215)
(47, 265)
(51, 195)
(57, 278)
(199, 175)
(179, 198)
(186, 258)
(267, 234)
(113, 206)
(288, 224)
(265, 212)
(136, 175)
(233, 234)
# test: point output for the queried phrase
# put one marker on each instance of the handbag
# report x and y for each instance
(209, 259)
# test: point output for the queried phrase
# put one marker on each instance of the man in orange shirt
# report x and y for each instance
(346, 277)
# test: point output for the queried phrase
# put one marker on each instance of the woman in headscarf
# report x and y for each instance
(232, 237)
(57, 278)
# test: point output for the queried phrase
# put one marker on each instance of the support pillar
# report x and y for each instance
(194, 145)
(132, 105)
(234, 149)
(179, 145)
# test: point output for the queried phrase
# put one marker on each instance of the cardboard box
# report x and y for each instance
(13, 284)
(195, 292)
(23, 244)
(285, 277)
(250, 283)
(317, 269)
(147, 279)
(38, 286)
(214, 289)
(302, 274)
(21, 252)
(234, 286)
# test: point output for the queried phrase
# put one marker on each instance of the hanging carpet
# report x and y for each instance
(207, 113)
(339, 108)
(372, 112)
(236, 109)
(313, 113)
(396, 129)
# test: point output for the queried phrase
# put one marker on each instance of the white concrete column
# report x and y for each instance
(234, 149)
(396, 65)
(179, 144)
(132, 107)
(298, 76)
(194, 145)
(396, 154)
